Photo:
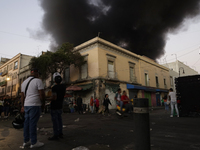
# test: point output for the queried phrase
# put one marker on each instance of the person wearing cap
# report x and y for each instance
(32, 98)
(58, 93)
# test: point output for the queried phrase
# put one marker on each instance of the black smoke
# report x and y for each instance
(138, 25)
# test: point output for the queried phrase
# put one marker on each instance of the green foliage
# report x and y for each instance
(51, 62)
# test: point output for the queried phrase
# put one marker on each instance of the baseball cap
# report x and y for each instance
(56, 74)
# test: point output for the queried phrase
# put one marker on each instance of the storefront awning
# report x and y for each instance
(130, 86)
(159, 90)
(137, 87)
(86, 86)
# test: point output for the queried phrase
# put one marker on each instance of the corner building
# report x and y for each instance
(109, 67)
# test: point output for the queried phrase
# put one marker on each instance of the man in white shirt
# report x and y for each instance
(32, 98)
(172, 96)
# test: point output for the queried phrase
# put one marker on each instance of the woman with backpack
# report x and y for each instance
(106, 103)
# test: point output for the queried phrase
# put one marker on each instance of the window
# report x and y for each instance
(67, 75)
(8, 89)
(157, 83)
(146, 79)
(15, 75)
(111, 72)
(14, 88)
(84, 71)
(16, 65)
(132, 74)
(10, 67)
(164, 81)
(165, 84)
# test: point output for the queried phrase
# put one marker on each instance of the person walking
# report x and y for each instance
(32, 98)
(106, 103)
(92, 104)
(96, 104)
(172, 97)
(166, 103)
(118, 99)
(1, 107)
(79, 103)
(7, 104)
(58, 93)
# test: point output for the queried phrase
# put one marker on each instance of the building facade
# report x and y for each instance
(178, 69)
(108, 67)
(9, 75)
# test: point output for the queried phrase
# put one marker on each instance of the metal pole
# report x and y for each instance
(141, 124)
(11, 88)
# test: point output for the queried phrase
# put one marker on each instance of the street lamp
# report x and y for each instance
(8, 79)
(180, 70)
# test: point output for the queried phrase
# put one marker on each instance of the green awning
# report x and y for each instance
(86, 86)
(3, 83)
(112, 87)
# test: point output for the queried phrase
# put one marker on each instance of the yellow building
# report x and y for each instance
(109, 67)
(9, 75)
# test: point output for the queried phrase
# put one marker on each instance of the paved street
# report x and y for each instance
(97, 132)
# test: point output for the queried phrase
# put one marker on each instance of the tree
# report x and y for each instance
(58, 61)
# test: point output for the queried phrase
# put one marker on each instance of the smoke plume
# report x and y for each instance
(137, 25)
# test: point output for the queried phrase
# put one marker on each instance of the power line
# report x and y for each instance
(184, 54)
(21, 35)
(196, 62)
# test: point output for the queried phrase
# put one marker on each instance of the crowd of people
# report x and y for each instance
(33, 100)
(9, 107)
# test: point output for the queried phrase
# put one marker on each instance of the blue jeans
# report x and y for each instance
(57, 122)
(92, 110)
(174, 104)
(120, 103)
(32, 115)
(6, 110)
(166, 106)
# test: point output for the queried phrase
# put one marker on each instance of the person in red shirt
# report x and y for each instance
(96, 101)
(92, 104)
(126, 104)
(124, 98)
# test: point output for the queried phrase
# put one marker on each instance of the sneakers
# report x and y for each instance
(177, 115)
(61, 136)
(38, 144)
(171, 116)
(27, 144)
(53, 138)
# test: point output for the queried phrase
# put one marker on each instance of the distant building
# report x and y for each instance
(9, 75)
(177, 69)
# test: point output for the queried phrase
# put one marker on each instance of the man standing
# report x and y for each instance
(118, 99)
(172, 96)
(32, 98)
(79, 103)
(58, 93)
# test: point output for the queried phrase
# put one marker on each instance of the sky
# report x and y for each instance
(20, 17)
